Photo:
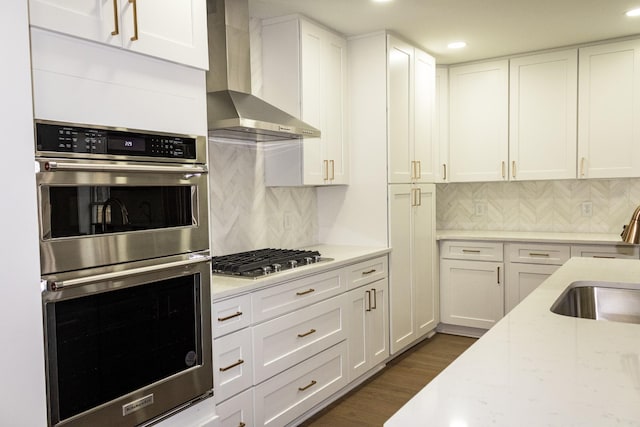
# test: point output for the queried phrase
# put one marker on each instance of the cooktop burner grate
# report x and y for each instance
(257, 263)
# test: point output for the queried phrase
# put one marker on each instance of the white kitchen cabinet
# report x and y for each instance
(606, 251)
(522, 279)
(410, 106)
(305, 74)
(237, 411)
(472, 293)
(441, 125)
(233, 364)
(413, 293)
(368, 327)
(543, 92)
(609, 110)
(478, 121)
(167, 29)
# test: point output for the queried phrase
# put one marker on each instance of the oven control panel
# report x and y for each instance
(62, 138)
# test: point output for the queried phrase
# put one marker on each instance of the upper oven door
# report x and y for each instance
(95, 213)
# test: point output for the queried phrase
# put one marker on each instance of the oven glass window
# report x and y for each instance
(91, 210)
(112, 343)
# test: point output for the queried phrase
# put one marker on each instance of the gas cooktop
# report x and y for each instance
(258, 263)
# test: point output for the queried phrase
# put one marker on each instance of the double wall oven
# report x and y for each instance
(124, 247)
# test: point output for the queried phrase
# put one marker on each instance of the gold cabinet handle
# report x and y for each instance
(242, 424)
(604, 257)
(582, 159)
(471, 251)
(311, 331)
(498, 270)
(414, 197)
(373, 270)
(333, 170)
(513, 168)
(419, 173)
(312, 383)
(368, 300)
(116, 31)
(308, 291)
(325, 172)
(419, 197)
(375, 299)
(502, 169)
(135, 20)
(539, 254)
(233, 365)
(236, 314)
(444, 171)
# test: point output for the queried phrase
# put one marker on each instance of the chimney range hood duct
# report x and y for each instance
(232, 111)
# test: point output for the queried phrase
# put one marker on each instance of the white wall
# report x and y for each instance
(22, 386)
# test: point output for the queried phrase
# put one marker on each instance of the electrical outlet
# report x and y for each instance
(586, 208)
(479, 209)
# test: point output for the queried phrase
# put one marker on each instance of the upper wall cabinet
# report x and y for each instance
(411, 93)
(441, 125)
(167, 29)
(543, 90)
(305, 74)
(609, 111)
(478, 121)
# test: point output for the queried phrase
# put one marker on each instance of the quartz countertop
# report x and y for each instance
(538, 368)
(530, 236)
(228, 286)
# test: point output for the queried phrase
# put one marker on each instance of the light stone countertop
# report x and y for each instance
(228, 286)
(537, 368)
(530, 236)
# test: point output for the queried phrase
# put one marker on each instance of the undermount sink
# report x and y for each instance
(615, 302)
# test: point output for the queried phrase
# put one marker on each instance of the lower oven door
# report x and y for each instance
(127, 344)
(95, 213)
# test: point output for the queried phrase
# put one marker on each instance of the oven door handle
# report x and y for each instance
(56, 285)
(52, 166)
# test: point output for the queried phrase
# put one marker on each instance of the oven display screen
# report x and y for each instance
(128, 143)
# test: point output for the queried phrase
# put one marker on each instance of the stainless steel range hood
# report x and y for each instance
(232, 111)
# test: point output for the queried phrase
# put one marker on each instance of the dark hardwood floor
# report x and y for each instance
(373, 402)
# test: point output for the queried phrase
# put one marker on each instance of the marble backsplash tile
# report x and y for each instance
(590, 206)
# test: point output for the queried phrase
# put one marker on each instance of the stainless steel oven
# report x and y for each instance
(108, 195)
(127, 343)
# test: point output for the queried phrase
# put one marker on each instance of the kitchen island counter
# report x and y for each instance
(538, 368)
(228, 286)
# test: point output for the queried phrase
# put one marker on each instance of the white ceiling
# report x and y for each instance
(491, 28)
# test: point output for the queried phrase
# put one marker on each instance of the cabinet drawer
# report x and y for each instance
(281, 299)
(232, 364)
(289, 395)
(533, 253)
(237, 411)
(367, 272)
(480, 251)
(231, 314)
(606, 251)
(282, 342)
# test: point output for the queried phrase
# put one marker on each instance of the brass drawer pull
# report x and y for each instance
(325, 172)
(368, 293)
(135, 20)
(471, 251)
(541, 254)
(375, 299)
(233, 365)
(305, 292)
(116, 30)
(311, 331)
(222, 319)
(242, 424)
(444, 171)
(373, 270)
(603, 256)
(312, 383)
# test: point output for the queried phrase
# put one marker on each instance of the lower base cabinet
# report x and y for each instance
(522, 279)
(237, 411)
(287, 396)
(473, 295)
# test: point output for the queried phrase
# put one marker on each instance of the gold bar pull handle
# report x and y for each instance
(365, 273)
(233, 365)
(502, 170)
(539, 254)
(419, 173)
(116, 30)
(419, 196)
(444, 171)
(413, 170)
(308, 291)
(311, 331)
(242, 424)
(498, 270)
(582, 160)
(312, 383)
(367, 301)
(470, 251)
(513, 168)
(236, 314)
(333, 169)
(375, 299)
(604, 257)
(325, 172)
(135, 20)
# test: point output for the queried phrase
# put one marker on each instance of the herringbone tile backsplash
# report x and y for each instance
(588, 206)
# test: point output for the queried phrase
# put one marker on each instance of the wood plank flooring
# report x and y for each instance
(373, 402)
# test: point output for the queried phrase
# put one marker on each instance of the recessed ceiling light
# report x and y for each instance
(456, 45)
(633, 12)
(381, 1)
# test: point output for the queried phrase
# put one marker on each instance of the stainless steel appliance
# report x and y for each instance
(124, 245)
(258, 263)
(127, 343)
(108, 195)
